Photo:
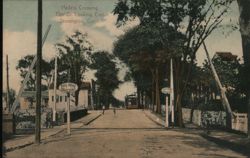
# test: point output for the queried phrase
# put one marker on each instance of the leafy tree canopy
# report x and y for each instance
(74, 56)
(24, 65)
(106, 74)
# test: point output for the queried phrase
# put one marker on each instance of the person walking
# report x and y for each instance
(114, 110)
(103, 109)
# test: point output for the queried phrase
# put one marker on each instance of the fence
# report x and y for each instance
(25, 119)
(8, 125)
(240, 122)
(215, 119)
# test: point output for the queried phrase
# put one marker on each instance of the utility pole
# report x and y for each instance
(7, 88)
(172, 91)
(38, 74)
(68, 106)
(225, 102)
(55, 84)
(92, 94)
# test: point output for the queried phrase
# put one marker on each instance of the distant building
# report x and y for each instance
(27, 100)
(84, 98)
(225, 56)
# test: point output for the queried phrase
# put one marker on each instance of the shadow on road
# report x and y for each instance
(240, 148)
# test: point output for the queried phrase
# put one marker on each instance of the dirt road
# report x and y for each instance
(127, 134)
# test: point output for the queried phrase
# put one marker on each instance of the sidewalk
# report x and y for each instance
(236, 142)
(25, 140)
(153, 117)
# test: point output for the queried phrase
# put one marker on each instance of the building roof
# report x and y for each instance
(32, 94)
(228, 56)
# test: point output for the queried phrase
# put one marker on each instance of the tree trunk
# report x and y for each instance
(77, 97)
(244, 21)
(138, 97)
(179, 110)
(153, 89)
(192, 109)
(142, 100)
(157, 91)
(182, 74)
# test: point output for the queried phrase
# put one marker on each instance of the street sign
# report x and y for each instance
(166, 90)
(68, 87)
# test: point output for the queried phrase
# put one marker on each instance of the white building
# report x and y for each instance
(61, 98)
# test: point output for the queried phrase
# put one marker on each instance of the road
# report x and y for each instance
(129, 133)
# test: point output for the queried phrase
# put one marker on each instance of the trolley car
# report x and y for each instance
(131, 102)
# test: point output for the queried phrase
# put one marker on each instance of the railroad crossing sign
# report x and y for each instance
(68, 87)
(166, 90)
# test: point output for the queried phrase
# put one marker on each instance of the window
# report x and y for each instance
(65, 98)
(52, 98)
(60, 98)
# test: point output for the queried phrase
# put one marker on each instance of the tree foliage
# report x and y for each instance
(147, 48)
(106, 74)
(23, 67)
(203, 87)
(74, 55)
(196, 19)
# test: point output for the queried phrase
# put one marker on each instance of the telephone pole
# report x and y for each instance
(172, 91)
(38, 74)
(55, 83)
(7, 86)
(68, 107)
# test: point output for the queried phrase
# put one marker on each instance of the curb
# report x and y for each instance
(92, 120)
(158, 123)
(18, 147)
(30, 142)
(59, 131)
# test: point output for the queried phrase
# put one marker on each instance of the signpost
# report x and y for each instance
(166, 109)
(68, 88)
(166, 90)
(170, 90)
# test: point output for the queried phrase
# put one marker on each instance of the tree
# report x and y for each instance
(106, 74)
(74, 55)
(244, 21)
(23, 67)
(148, 47)
(195, 18)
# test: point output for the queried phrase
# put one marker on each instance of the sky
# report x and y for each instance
(92, 16)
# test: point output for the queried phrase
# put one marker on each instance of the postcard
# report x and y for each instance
(125, 78)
